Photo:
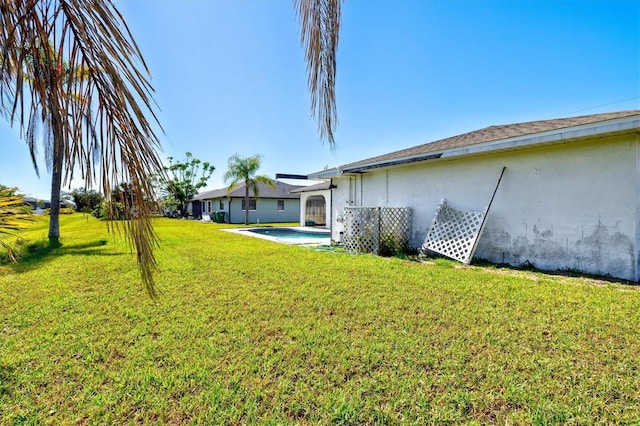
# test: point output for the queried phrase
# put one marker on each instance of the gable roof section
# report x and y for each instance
(523, 133)
(315, 187)
(282, 190)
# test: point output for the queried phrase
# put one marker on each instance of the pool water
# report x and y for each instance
(290, 233)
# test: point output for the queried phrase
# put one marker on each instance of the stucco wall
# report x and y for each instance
(572, 206)
(215, 205)
(266, 211)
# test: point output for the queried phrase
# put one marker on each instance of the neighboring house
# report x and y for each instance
(569, 199)
(315, 204)
(272, 205)
(35, 204)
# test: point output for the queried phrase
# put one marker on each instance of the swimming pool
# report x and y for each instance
(290, 233)
(300, 236)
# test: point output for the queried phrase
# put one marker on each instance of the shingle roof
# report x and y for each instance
(316, 187)
(281, 190)
(492, 133)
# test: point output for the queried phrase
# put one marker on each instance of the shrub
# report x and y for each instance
(63, 210)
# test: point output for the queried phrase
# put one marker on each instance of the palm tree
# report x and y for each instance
(54, 146)
(107, 138)
(243, 170)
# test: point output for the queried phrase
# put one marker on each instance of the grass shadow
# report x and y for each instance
(33, 254)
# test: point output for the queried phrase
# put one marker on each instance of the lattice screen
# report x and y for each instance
(454, 232)
(380, 230)
(361, 229)
(395, 230)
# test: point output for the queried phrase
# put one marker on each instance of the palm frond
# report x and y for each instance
(264, 179)
(319, 33)
(108, 136)
(12, 216)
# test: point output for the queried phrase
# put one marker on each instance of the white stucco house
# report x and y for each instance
(278, 204)
(569, 198)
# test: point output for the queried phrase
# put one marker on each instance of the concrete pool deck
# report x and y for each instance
(292, 241)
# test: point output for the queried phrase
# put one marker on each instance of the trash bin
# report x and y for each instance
(218, 217)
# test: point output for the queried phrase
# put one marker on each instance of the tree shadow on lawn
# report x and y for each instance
(34, 254)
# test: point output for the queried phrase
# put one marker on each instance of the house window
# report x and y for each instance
(221, 205)
(208, 206)
(280, 205)
(252, 204)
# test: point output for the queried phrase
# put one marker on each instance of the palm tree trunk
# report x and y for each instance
(56, 180)
(246, 203)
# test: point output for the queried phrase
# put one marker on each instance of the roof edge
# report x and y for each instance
(583, 131)
(325, 174)
(598, 129)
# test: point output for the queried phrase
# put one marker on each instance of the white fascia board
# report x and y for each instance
(325, 174)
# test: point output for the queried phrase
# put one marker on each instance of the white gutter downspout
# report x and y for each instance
(331, 208)
(637, 213)
(386, 201)
(352, 191)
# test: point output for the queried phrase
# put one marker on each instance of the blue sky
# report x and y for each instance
(229, 76)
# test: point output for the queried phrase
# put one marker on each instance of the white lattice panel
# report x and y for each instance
(395, 230)
(380, 230)
(454, 232)
(361, 229)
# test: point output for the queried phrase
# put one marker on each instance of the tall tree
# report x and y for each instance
(183, 179)
(107, 137)
(86, 199)
(65, 75)
(243, 170)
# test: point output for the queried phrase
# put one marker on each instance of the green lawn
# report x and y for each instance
(252, 332)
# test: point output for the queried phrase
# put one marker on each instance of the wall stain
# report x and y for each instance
(604, 251)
